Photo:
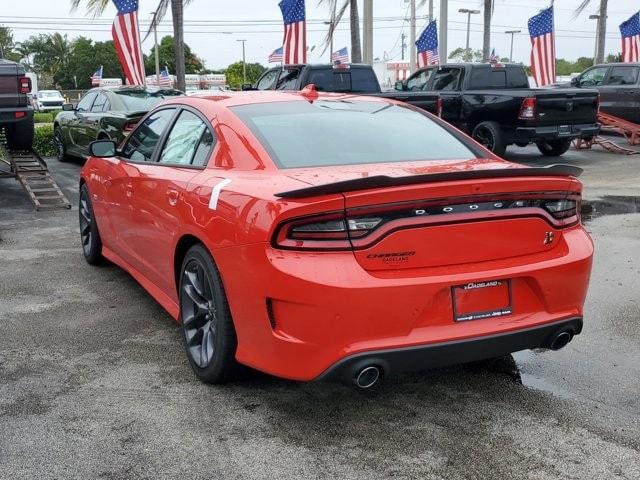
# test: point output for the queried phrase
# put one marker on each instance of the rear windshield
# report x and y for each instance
(482, 78)
(142, 100)
(355, 80)
(341, 132)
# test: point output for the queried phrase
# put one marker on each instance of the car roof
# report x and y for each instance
(267, 96)
(618, 64)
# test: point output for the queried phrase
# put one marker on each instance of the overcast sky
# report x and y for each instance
(214, 26)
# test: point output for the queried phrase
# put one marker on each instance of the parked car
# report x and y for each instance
(495, 105)
(343, 78)
(618, 85)
(47, 100)
(16, 111)
(104, 113)
(326, 237)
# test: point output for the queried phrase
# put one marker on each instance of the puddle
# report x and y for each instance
(609, 205)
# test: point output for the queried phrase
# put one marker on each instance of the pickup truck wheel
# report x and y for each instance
(553, 148)
(20, 135)
(61, 147)
(489, 135)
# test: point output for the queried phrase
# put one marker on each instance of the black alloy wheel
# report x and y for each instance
(91, 242)
(489, 134)
(209, 336)
(60, 146)
(485, 137)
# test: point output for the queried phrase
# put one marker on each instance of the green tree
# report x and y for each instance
(177, 12)
(466, 55)
(234, 73)
(166, 50)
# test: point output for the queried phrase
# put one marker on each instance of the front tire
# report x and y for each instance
(207, 327)
(61, 146)
(490, 136)
(553, 148)
(91, 242)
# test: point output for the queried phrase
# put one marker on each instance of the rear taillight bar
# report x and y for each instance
(24, 84)
(528, 109)
(361, 227)
(439, 107)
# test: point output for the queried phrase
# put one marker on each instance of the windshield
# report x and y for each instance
(341, 132)
(142, 100)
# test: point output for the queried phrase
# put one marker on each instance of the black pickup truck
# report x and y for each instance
(495, 105)
(16, 112)
(345, 78)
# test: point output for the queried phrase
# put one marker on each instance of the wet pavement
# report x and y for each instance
(94, 382)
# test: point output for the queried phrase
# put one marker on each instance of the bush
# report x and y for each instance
(43, 117)
(43, 141)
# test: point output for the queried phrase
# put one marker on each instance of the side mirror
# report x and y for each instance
(68, 107)
(399, 86)
(575, 81)
(246, 87)
(103, 148)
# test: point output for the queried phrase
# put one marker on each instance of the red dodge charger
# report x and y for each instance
(336, 237)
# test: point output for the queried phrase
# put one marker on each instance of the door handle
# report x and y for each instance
(173, 196)
(630, 91)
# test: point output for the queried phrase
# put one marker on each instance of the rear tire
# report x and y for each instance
(20, 135)
(489, 135)
(89, 235)
(553, 148)
(207, 327)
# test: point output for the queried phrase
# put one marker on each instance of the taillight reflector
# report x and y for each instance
(439, 107)
(528, 109)
(24, 85)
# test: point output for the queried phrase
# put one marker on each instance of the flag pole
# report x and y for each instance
(554, 42)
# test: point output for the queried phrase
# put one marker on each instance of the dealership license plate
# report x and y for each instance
(478, 301)
(564, 130)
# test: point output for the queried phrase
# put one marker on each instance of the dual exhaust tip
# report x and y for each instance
(369, 376)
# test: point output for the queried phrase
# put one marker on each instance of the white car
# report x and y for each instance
(47, 100)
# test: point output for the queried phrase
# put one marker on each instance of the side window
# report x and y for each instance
(419, 82)
(186, 141)
(593, 77)
(446, 79)
(100, 102)
(144, 140)
(288, 79)
(623, 76)
(268, 79)
(86, 102)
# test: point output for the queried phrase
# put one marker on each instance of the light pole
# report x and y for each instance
(157, 51)
(442, 38)
(244, 62)
(512, 33)
(368, 31)
(595, 53)
(469, 13)
(413, 56)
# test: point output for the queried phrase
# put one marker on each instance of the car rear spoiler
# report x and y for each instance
(381, 181)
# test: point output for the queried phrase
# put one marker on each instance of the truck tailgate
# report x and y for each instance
(570, 107)
(9, 96)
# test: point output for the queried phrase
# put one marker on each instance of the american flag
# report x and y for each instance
(295, 31)
(126, 36)
(165, 78)
(276, 56)
(427, 46)
(543, 48)
(96, 79)
(341, 56)
(630, 31)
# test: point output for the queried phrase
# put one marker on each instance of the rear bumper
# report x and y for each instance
(8, 115)
(423, 357)
(555, 132)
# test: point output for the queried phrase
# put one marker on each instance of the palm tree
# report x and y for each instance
(602, 26)
(97, 7)
(59, 49)
(354, 17)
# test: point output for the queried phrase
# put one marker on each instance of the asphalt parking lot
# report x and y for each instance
(94, 382)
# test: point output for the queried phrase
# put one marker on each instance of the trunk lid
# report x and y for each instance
(566, 106)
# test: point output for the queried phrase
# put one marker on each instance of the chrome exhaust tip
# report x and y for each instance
(561, 340)
(367, 377)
